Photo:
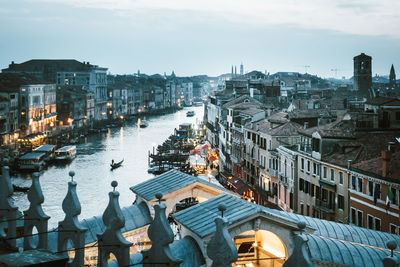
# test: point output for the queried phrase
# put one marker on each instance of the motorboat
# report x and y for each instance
(143, 124)
(32, 161)
(115, 165)
(66, 153)
(190, 113)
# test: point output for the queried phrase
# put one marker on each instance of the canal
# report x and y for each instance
(92, 166)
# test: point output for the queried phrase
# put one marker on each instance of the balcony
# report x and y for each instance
(283, 178)
(325, 205)
(273, 172)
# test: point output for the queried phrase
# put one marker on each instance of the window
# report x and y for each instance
(393, 229)
(360, 185)
(370, 188)
(332, 175)
(353, 182)
(359, 218)
(377, 224)
(314, 168)
(312, 189)
(302, 164)
(308, 210)
(394, 200)
(340, 177)
(340, 202)
(325, 174)
(353, 216)
(302, 209)
(248, 135)
(398, 116)
(301, 184)
(306, 187)
(370, 222)
(308, 166)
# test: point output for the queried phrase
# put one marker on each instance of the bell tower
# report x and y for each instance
(363, 75)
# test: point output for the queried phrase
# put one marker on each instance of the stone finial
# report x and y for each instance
(8, 211)
(111, 240)
(222, 208)
(161, 235)
(221, 249)
(70, 228)
(300, 255)
(35, 216)
(391, 261)
(71, 174)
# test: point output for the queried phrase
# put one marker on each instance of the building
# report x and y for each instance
(75, 106)
(37, 108)
(392, 78)
(69, 72)
(362, 83)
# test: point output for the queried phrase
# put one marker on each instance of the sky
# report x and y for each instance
(204, 36)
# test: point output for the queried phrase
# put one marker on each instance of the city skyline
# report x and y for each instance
(204, 38)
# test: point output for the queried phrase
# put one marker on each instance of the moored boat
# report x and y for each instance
(190, 113)
(66, 153)
(49, 150)
(32, 161)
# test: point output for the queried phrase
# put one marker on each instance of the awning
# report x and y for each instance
(239, 185)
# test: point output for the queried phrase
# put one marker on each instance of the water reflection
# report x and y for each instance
(92, 166)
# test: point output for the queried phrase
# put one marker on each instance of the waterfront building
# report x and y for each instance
(37, 108)
(75, 106)
(363, 75)
(69, 72)
(8, 116)
(187, 88)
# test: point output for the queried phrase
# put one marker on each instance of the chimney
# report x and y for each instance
(349, 164)
(305, 125)
(386, 156)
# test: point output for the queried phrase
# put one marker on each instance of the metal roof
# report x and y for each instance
(237, 209)
(346, 253)
(331, 242)
(136, 216)
(30, 156)
(167, 183)
(347, 232)
(44, 148)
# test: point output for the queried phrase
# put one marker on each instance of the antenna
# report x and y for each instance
(306, 67)
(336, 71)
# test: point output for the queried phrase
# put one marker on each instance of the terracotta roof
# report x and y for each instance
(287, 129)
(242, 99)
(280, 117)
(381, 100)
(337, 129)
(10, 82)
(39, 65)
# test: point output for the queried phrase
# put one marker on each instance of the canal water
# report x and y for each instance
(92, 166)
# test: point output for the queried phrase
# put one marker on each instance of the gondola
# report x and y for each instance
(115, 165)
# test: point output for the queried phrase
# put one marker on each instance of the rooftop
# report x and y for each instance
(167, 183)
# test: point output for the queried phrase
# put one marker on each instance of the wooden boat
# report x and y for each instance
(66, 153)
(115, 165)
(190, 113)
(143, 124)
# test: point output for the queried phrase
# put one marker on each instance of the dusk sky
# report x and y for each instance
(203, 37)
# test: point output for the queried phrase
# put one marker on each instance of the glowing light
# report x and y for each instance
(121, 117)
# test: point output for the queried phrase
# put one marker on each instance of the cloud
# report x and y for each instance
(367, 17)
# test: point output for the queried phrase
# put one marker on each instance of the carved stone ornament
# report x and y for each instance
(112, 241)
(35, 217)
(161, 236)
(70, 228)
(8, 211)
(221, 249)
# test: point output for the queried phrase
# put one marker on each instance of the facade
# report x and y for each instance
(75, 106)
(37, 108)
(69, 72)
(363, 75)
